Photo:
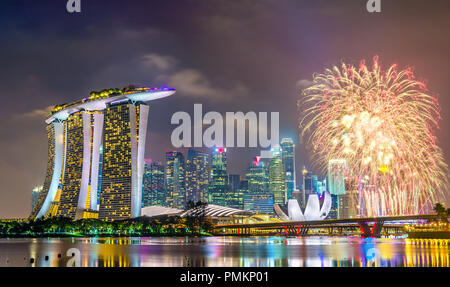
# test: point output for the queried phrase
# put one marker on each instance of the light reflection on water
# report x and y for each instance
(227, 251)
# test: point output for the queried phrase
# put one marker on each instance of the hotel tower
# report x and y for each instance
(96, 147)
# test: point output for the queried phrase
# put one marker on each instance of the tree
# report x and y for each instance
(439, 208)
(195, 215)
(441, 212)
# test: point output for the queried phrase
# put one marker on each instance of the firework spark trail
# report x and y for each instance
(381, 123)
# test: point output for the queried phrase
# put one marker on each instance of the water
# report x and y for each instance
(226, 251)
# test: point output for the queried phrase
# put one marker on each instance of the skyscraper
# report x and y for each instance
(197, 176)
(153, 191)
(288, 156)
(125, 130)
(311, 184)
(202, 165)
(191, 176)
(97, 143)
(258, 198)
(337, 171)
(175, 180)
(236, 198)
(258, 177)
(219, 189)
(349, 204)
(277, 177)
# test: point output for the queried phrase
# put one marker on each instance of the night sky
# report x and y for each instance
(228, 55)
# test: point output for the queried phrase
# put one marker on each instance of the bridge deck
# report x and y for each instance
(329, 221)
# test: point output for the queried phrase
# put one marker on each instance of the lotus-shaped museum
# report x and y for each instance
(313, 210)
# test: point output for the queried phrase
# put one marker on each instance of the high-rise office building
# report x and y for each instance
(191, 176)
(321, 186)
(277, 177)
(288, 156)
(219, 189)
(35, 195)
(236, 199)
(97, 143)
(175, 180)
(337, 169)
(258, 177)
(153, 192)
(334, 210)
(311, 184)
(349, 203)
(337, 172)
(243, 187)
(202, 164)
(197, 176)
(258, 198)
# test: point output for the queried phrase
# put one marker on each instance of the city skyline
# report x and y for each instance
(50, 56)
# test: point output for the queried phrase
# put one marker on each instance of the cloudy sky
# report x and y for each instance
(228, 55)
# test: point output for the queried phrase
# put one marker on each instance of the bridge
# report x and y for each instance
(368, 226)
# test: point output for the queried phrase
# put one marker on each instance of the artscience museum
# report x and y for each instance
(317, 208)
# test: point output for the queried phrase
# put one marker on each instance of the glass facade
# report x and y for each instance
(219, 189)
(175, 180)
(153, 192)
(120, 185)
(288, 157)
(277, 177)
(73, 166)
(236, 200)
(259, 203)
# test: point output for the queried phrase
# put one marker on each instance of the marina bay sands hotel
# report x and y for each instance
(96, 146)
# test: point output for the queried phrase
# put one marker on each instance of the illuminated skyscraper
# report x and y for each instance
(349, 204)
(175, 180)
(277, 177)
(288, 156)
(258, 198)
(219, 189)
(236, 198)
(96, 145)
(337, 171)
(74, 194)
(125, 130)
(311, 184)
(197, 176)
(202, 164)
(258, 177)
(153, 191)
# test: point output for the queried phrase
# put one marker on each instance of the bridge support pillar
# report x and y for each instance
(371, 231)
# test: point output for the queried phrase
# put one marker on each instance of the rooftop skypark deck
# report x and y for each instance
(98, 101)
